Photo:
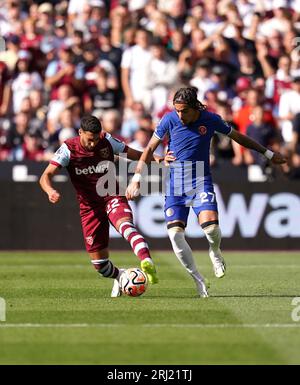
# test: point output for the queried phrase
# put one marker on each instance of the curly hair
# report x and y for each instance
(90, 123)
(188, 95)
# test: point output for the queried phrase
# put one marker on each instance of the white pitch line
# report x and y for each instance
(200, 326)
(173, 267)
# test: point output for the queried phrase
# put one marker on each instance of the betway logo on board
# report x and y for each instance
(99, 169)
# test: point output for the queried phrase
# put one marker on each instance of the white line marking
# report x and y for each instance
(173, 267)
(200, 326)
(51, 266)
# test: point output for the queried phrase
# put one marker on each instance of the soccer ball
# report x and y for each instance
(133, 282)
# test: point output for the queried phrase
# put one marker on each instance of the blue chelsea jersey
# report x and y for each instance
(192, 142)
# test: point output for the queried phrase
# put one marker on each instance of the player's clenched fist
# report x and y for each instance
(54, 196)
(133, 190)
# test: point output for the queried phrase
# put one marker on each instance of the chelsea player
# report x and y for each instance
(190, 129)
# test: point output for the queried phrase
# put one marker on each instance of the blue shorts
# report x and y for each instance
(178, 207)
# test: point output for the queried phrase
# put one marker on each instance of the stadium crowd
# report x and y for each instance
(123, 60)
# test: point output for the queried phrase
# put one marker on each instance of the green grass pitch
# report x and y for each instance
(58, 311)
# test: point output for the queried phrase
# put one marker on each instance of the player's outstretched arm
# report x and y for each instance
(46, 183)
(246, 141)
(146, 157)
(135, 155)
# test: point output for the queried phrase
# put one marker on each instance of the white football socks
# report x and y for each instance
(213, 235)
(183, 252)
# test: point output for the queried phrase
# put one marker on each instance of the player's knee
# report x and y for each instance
(106, 269)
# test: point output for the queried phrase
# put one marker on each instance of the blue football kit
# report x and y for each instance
(189, 183)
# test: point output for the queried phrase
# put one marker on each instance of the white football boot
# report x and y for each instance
(201, 288)
(116, 289)
(218, 263)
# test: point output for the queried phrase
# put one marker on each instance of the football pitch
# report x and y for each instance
(58, 311)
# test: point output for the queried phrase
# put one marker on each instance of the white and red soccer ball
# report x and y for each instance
(133, 282)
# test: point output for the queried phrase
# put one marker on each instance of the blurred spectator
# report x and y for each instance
(222, 144)
(37, 112)
(141, 139)
(219, 77)
(281, 20)
(63, 71)
(66, 121)
(60, 32)
(64, 93)
(280, 82)
(131, 122)
(97, 20)
(243, 118)
(91, 60)
(185, 65)
(248, 66)
(24, 80)
(120, 19)
(242, 86)
(32, 148)
(100, 97)
(108, 52)
(199, 43)
(176, 43)
(296, 142)
(77, 47)
(201, 79)
(263, 133)
(128, 38)
(45, 25)
(30, 39)
(161, 29)
(162, 75)
(289, 106)
(176, 12)
(111, 123)
(12, 20)
(79, 15)
(5, 89)
(10, 56)
(76, 8)
(211, 20)
(134, 75)
(16, 135)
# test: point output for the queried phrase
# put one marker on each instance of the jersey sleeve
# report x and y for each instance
(117, 146)
(62, 156)
(162, 128)
(222, 126)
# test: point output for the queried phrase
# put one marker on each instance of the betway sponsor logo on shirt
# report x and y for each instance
(99, 169)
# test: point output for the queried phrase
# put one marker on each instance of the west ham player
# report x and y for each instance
(190, 129)
(87, 158)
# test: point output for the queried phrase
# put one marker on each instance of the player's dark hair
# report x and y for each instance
(188, 95)
(90, 123)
